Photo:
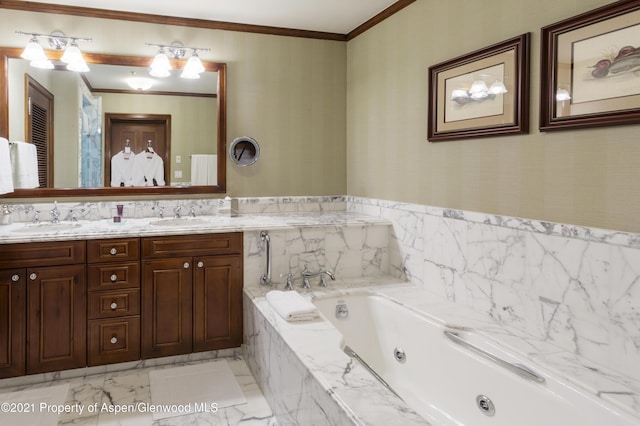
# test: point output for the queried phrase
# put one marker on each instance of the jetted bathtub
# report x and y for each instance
(453, 376)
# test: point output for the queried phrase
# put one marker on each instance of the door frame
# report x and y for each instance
(116, 118)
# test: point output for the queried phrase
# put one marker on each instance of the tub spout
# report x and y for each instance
(306, 275)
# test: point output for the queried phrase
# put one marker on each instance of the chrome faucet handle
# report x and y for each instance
(161, 212)
(55, 213)
(176, 211)
(36, 216)
(305, 283)
(289, 284)
(74, 218)
(192, 211)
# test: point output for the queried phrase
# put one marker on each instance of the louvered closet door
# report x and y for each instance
(40, 128)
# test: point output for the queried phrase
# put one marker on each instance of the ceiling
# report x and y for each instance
(333, 16)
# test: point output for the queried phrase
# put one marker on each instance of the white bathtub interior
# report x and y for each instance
(443, 380)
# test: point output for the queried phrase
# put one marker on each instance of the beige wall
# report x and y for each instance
(585, 177)
(288, 93)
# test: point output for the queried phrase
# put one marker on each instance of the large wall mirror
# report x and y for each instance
(93, 120)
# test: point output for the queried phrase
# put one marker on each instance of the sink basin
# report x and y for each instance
(182, 221)
(48, 227)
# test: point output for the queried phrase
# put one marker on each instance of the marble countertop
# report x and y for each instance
(106, 228)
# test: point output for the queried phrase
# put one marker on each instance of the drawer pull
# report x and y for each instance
(114, 278)
(200, 264)
(114, 306)
(114, 340)
(113, 251)
(186, 265)
(33, 276)
(15, 277)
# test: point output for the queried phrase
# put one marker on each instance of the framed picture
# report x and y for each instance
(590, 69)
(483, 93)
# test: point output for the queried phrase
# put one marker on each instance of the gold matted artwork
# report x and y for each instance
(483, 93)
(590, 69)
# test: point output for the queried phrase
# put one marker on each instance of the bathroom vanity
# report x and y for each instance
(70, 304)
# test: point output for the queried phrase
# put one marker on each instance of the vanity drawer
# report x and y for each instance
(113, 276)
(186, 245)
(22, 255)
(116, 249)
(113, 340)
(109, 304)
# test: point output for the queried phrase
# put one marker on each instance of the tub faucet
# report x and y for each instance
(306, 275)
(55, 213)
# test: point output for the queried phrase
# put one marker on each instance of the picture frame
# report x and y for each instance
(483, 93)
(590, 69)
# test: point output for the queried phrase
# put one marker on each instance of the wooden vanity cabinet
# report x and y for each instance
(13, 319)
(192, 293)
(113, 300)
(54, 311)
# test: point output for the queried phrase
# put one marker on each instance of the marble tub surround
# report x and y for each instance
(308, 380)
(577, 288)
(285, 356)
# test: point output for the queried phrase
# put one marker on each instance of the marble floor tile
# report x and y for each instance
(96, 397)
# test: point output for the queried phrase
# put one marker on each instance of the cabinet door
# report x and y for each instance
(56, 318)
(217, 302)
(13, 295)
(166, 307)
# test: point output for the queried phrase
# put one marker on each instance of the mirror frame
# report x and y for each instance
(138, 61)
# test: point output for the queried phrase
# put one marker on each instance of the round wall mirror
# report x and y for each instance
(244, 151)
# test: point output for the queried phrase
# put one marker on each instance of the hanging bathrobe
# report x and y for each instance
(147, 168)
(122, 169)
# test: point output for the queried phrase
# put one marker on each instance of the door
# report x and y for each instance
(166, 307)
(138, 133)
(40, 128)
(12, 322)
(56, 318)
(217, 303)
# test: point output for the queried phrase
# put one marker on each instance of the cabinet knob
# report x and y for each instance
(114, 340)
(15, 277)
(200, 264)
(186, 265)
(113, 251)
(33, 276)
(114, 277)
(114, 306)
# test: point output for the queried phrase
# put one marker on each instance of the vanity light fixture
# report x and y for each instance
(478, 91)
(72, 56)
(161, 65)
(562, 95)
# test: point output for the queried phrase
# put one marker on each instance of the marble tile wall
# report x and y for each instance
(575, 287)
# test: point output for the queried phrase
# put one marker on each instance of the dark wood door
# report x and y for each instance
(138, 132)
(217, 303)
(56, 318)
(40, 128)
(13, 312)
(166, 307)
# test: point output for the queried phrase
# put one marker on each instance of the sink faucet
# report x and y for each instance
(306, 274)
(192, 212)
(55, 213)
(176, 212)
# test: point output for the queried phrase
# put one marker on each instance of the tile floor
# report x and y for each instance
(130, 387)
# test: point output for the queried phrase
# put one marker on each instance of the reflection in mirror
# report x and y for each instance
(191, 151)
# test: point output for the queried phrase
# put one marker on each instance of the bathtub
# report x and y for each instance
(454, 376)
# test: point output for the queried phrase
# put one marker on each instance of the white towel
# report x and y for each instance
(204, 169)
(291, 306)
(24, 160)
(6, 173)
